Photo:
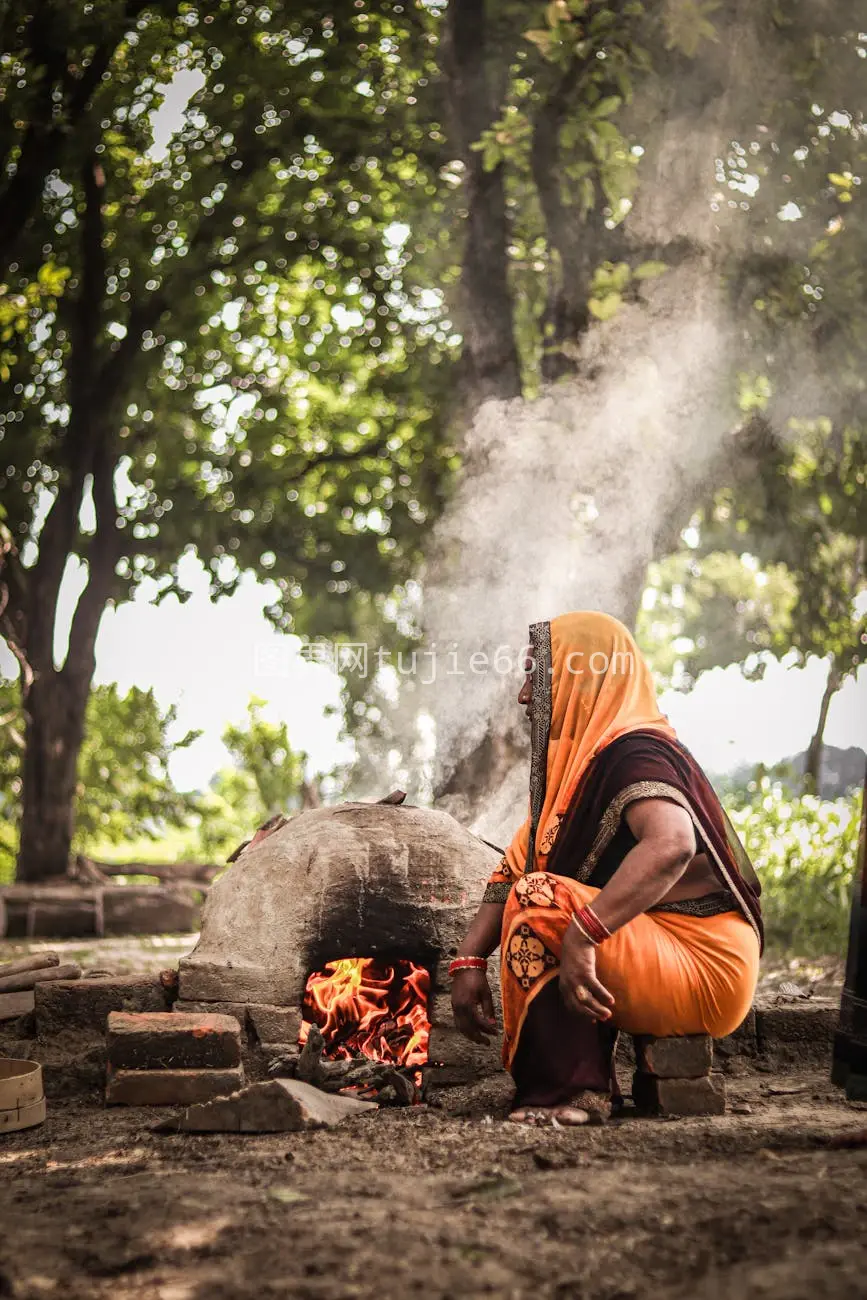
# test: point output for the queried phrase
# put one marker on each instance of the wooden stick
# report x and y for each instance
(28, 979)
(37, 962)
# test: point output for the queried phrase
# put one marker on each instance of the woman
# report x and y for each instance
(625, 901)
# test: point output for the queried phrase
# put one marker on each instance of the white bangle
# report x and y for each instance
(582, 931)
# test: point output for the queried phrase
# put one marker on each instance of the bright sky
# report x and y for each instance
(208, 659)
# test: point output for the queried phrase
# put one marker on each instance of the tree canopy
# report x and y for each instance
(260, 263)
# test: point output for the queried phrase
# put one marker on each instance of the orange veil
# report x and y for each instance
(591, 684)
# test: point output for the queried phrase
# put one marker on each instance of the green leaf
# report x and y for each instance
(542, 39)
(606, 106)
(287, 1195)
(649, 270)
(605, 308)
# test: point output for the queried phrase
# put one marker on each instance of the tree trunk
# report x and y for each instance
(813, 760)
(486, 315)
(55, 711)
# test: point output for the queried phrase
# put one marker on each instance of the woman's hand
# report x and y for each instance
(473, 1005)
(580, 987)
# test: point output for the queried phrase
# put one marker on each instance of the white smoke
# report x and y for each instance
(561, 506)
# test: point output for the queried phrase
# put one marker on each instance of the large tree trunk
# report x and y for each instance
(486, 312)
(55, 711)
(813, 760)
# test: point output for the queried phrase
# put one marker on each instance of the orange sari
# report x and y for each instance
(599, 743)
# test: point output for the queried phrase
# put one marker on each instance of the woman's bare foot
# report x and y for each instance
(567, 1116)
(584, 1108)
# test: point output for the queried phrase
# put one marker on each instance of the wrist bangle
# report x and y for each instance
(590, 925)
(468, 963)
(580, 928)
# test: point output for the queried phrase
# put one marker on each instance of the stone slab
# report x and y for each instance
(705, 1096)
(686, 1057)
(16, 1004)
(799, 1034)
(149, 909)
(85, 1004)
(169, 1087)
(169, 1040)
(276, 1106)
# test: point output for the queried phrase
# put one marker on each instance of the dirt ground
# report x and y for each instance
(420, 1203)
(95, 1204)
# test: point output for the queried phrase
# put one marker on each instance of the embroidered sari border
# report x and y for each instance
(540, 646)
(655, 790)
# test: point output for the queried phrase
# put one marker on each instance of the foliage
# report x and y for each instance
(266, 777)
(124, 786)
(237, 298)
(124, 789)
(804, 850)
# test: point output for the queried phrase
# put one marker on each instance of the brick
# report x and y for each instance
(688, 1057)
(169, 1087)
(169, 1040)
(277, 1106)
(705, 1096)
(85, 1004)
(236, 1009)
(205, 981)
(274, 1024)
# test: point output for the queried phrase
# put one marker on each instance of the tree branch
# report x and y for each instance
(102, 556)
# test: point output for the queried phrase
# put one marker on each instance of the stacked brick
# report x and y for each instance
(171, 1058)
(674, 1076)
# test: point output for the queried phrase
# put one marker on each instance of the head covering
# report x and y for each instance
(591, 684)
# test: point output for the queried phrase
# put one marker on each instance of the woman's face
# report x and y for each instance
(525, 695)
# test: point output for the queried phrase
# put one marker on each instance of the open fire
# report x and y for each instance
(372, 1008)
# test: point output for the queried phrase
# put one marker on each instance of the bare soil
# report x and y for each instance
(423, 1203)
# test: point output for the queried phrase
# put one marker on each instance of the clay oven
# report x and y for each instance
(393, 883)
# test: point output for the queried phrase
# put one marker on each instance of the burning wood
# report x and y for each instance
(358, 1076)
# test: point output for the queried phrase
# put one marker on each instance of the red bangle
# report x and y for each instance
(589, 922)
(468, 963)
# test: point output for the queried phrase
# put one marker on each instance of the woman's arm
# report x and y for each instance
(666, 846)
(472, 1003)
(483, 935)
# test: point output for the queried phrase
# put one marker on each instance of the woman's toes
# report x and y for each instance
(571, 1116)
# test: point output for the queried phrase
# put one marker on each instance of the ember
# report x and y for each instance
(366, 1007)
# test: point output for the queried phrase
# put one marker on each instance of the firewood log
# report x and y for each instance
(309, 1069)
(38, 961)
(28, 979)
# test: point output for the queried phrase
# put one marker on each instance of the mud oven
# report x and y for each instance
(348, 913)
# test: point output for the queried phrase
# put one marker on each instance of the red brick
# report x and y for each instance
(688, 1057)
(169, 1087)
(705, 1096)
(170, 1040)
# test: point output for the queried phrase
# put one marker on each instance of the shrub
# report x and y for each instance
(804, 850)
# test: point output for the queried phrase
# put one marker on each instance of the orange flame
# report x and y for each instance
(365, 1007)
